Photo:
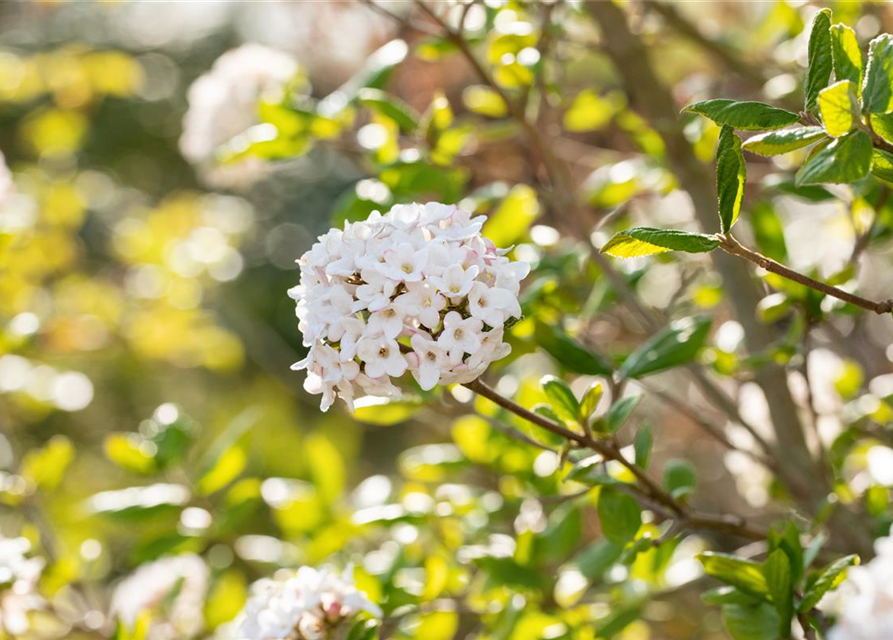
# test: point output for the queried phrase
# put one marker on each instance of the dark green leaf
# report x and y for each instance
(642, 446)
(777, 570)
(877, 92)
(619, 514)
(677, 344)
(820, 58)
(744, 116)
(746, 575)
(773, 143)
(826, 580)
(788, 539)
(568, 352)
(645, 241)
(507, 571)
(620, 411)
(847, 159)
(597, 558)
(561, 398)
(846, 54)
(679, 478)
(390, 107)
(731, 174)
(754, 622)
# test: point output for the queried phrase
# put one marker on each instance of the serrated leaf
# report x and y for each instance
(847, 159)
(731, 174)
(390, 107)
(826, 580)
(568, 352)
(820, 58)
(620, 412)
(677, 344)
(744, 116)
(877, 91)
(561, 398)
(773, 143)
(746, 575)
(619, 514)
(750, 622)
(679, 478)
(642, 446)
(646, 241)
(777, 570)
(846, 55)
(882, 165)
(839, 106)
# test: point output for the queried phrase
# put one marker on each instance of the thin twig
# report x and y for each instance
(733, 247)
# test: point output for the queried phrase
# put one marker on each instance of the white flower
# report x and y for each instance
(223, 104)
(18, 585)
(417, 289)
(864, 602)
(172, 589)
(460, 336)
(303, 605)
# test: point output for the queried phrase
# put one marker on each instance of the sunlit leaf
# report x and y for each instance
(820, 58)
(645, 241)
(847, 159)
(839, 107)
(744, 116)
(847, 55)
(877, 92)
(773, 143)
(731, 174)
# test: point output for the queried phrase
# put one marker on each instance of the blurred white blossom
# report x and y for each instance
(18, 585)
(224, 103)
(301, 605)
(418, 289)
(172, 590)
(864, 602)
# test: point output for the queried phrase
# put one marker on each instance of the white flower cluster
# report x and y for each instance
(418, 289)
(223, 104)
(172, 589)
(18, 585)
(303, 605)
(864, 602)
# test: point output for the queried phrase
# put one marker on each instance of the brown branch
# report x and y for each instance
(733, 247)
(646, 489)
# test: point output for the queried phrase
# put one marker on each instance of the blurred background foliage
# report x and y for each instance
(146, 402)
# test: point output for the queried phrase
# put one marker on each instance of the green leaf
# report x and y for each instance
(773, 143)
(642, 446)
(677, 344)
(589, 112)
(679, 478)
(390, 107)
(568, 352)
(882, 165)
(590, 400)
(826, 580)
(731, 174)
(507, 571)
(561, 398)
(877, 92)
(511, 220)
(619, 514)
(728, 595)
(386, 411)
(751, 622)
(777, 570)
(744, 116)
(847, 159)
(645, 241)
(882, 125)
(746, 575)
(788, 539)
(839, 106)
(597, 558)
(846, 55)
(620, 412)
(820, 58)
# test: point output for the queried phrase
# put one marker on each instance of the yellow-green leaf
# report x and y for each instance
(839, 106)
(847, 55)
(877, 94)
(731, 174)
(773, 143)
(645, 241)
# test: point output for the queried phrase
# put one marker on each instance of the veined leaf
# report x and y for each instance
(677, 344)
(846, 55)
(746, 575)
(847, 159)
(777, 570)
(645, 241)
(731, 174)
(877, 92)
(820, 58)
(882, 165)
(839, 106)
(745, 116)
(828, 579)
(882, 125)
(773, 143)
(751, 622)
